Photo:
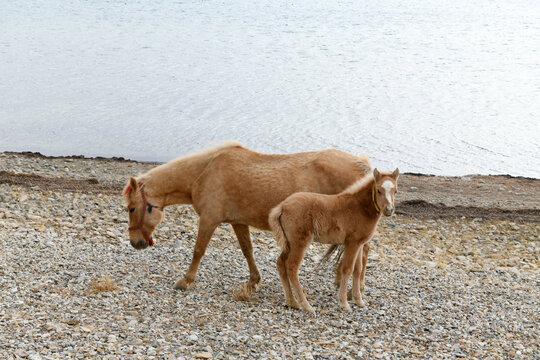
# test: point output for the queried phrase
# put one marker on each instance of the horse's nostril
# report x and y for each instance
(139, 244)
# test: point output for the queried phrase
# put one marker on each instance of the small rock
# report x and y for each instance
(203, 355)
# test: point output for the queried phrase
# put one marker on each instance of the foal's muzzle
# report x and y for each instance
(388, 211)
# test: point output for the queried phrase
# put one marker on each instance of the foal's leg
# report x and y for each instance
(359, 269)
(282, 270)
(365, 254)
(242, 233)
(296, 254)
(206, 229)
(348, 262)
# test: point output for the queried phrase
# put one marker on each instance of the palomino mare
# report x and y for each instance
(232, 184)
(348, 218)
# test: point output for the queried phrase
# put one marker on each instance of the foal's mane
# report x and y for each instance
(360, 184)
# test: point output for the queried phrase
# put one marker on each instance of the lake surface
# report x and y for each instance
(440, 87)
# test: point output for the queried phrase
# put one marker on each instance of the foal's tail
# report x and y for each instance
(336, 248)
(274, 219)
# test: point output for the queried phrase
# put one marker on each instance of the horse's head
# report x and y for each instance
(143, 215)
(384, 190)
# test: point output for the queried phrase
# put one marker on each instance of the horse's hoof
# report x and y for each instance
(309, 309)
(360, 302)
(182, 284)
(345, 307)
(254, 286)
(243, 293)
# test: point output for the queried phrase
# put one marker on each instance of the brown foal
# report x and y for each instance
(348, 218)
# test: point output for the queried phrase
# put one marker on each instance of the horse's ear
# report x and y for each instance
(395, 174)
(376, 174)
(133, 183)
(131, 187)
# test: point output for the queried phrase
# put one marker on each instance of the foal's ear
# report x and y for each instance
(395, 174)
(376, 174)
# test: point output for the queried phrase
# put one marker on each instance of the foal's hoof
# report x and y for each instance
(182, 284)
(309, 309)
(294, 304)
(359, 302)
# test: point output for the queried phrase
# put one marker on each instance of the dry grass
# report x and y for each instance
(104, 284)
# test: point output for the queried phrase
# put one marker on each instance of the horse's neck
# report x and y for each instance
(170, 183)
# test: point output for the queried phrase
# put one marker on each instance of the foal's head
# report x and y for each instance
(143, 216)
(384, 190)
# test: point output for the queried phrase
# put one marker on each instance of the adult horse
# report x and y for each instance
(230, 183)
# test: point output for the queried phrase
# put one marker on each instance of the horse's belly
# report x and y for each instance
(256, 222)
(329, 239)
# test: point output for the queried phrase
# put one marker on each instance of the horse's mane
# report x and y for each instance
(359, 184)
(189, 158)
(213, 147)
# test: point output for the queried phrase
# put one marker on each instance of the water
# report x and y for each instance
(441, 87)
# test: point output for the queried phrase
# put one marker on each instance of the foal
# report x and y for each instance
(348, 218)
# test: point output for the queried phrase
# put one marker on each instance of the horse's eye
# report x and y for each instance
(131, 210)
(379, 192)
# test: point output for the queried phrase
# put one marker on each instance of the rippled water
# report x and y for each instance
(443, 87)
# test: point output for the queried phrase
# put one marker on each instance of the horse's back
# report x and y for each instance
(243, 185)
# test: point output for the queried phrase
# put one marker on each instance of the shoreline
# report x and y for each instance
(502, 197)
(37, 154)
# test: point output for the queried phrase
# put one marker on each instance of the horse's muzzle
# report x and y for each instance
(140, 244)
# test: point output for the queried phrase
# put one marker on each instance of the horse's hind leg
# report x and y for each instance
(282, 270)
(206, 229)
(337, 280)
(242, 233)
(296, 255)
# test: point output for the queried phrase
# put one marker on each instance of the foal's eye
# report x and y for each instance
(379, 192)
(131, 210)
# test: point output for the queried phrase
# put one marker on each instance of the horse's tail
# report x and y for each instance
(274, 219)
(336, 248)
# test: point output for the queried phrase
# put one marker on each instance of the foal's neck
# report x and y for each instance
(363, 201)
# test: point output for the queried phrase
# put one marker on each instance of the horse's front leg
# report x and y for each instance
(359, 273)
(242, 233)
(365, 254)
(206, 229)
(347, 265)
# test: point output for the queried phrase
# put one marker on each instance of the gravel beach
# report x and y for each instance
(454, 274)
